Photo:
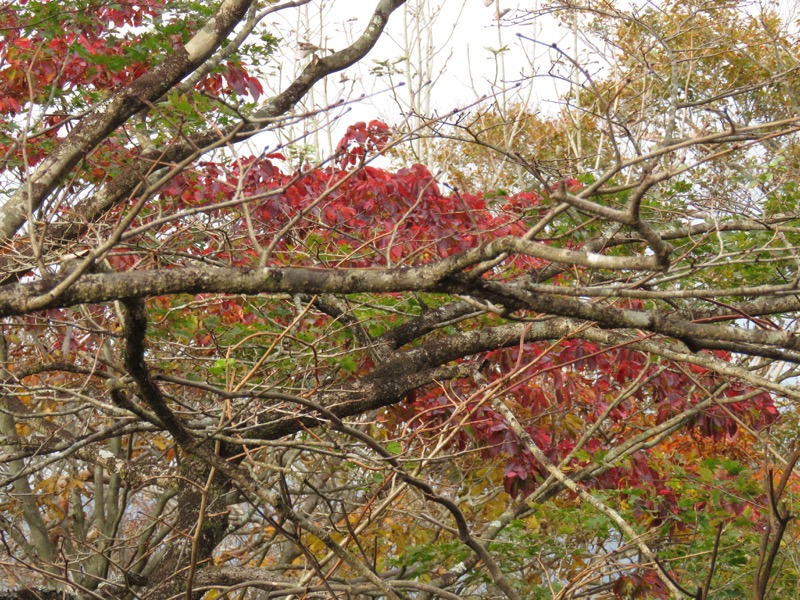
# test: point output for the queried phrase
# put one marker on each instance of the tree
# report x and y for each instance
(225, 377)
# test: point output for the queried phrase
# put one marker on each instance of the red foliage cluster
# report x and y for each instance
(97, 52)
(361, 139)
(367, 217)
(84, 55)
(233, 79)
(636, 584)
(556, 391)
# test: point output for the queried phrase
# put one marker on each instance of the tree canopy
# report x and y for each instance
(558, 360)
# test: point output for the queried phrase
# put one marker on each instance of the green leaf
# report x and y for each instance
(221, 366)
(394, 447)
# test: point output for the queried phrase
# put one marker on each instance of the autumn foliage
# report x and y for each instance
(557, 361)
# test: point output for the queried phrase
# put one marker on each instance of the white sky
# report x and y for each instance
(452, 43)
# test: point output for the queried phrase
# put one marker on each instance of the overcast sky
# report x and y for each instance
(464, 41)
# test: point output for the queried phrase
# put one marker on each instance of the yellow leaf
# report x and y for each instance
(573, 424)
(532, 523)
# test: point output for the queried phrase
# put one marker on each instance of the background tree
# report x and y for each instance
(230, 373)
